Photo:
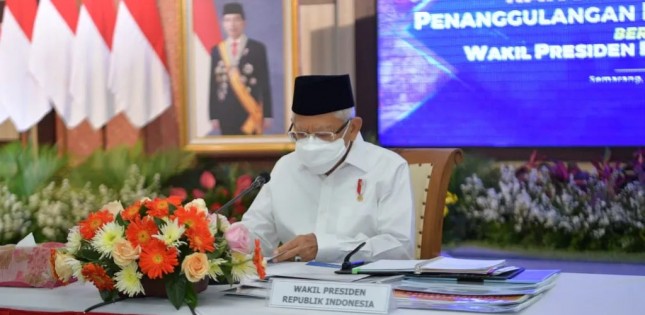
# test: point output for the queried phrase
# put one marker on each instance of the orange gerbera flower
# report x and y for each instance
(93, 222)
(174, 200)
(98, 276)
(157, 260)
(132, 212)
(200, 239)
(258, 260)
(157, 208)
(190, 216)
(140, 231)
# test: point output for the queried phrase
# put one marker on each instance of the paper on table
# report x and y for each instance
(448, 263)
(391, 265)
(27, 241)
(302, 270)
(439, 264)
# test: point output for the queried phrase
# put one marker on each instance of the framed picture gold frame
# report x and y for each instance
(276, 29)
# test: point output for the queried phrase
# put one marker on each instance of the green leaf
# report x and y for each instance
(220, 248)
(191, 297)
(86, 252)
(176, 289)
(110, 167)
(27, 170)
(108, 295)
(159, 222)
(119, 220)
(143, 211)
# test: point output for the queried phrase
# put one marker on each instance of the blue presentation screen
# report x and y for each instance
(511, 73)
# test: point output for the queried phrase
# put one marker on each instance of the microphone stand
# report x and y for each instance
(228, 204)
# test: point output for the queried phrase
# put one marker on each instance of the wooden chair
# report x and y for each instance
(430, 171)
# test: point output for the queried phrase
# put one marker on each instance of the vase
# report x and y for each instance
(157, 287)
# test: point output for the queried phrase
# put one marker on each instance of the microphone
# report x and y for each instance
(260, 180)
(348, 265)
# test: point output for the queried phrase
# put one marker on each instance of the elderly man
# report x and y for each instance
(336, 190)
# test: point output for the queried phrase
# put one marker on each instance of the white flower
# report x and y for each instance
(242, 266)
(171, 232)
(198, 204)
(74, 239)
(77, 267)
(107, 237)
(214, 269)
(114, 207)
(128, 280)
(218, 220)
(598, 233)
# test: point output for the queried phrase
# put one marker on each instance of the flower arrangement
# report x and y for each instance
(157, 245)
(557, 204)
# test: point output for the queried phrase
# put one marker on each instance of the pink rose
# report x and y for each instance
(207, 180)
(237, 237)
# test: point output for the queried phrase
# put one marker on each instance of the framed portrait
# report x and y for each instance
(240, 62)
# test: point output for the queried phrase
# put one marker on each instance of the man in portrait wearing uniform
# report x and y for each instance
(240, 91)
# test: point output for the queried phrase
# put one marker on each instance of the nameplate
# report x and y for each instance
(331, 296)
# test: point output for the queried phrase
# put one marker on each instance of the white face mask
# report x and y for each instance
(320, 156)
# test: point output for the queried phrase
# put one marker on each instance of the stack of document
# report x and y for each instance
(465, 303)
(487, 295)
(445, 283)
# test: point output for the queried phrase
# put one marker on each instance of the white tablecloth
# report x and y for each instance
(572, 294)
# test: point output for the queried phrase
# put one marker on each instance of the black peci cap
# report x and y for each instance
(321, 94)
(234, 8)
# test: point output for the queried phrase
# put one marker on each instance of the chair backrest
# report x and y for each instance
(430, 171)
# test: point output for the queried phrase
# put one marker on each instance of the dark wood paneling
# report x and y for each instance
(47, 129)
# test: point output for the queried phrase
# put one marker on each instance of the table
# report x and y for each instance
(573, 294)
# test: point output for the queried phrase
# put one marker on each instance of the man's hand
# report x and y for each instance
(305, 246)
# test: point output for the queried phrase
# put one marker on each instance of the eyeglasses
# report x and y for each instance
(328, 136)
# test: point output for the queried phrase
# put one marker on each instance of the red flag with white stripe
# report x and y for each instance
(23, 100)
(139, 75)
(206, 34)
(91, 96)
(51, 51)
